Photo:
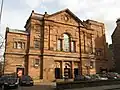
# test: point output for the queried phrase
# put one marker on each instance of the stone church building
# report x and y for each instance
(52, 42)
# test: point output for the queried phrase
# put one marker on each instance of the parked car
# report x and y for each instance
(117, 75)
(79, 78)
(10, 81)
(102, 77)
(26, 80)
(1, 82)
(95, 77)
(113, 75)
(99, 77)
(87, 77)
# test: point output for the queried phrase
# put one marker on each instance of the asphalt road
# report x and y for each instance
(35, 87)
(50, 86)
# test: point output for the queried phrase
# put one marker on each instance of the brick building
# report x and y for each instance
(116, 46)
(52, 42)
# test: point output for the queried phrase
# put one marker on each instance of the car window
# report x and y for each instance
(9, 78)
(26, 78)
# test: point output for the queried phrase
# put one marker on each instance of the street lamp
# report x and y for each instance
(1, 10)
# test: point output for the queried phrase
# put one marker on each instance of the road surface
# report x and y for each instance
(51, 86)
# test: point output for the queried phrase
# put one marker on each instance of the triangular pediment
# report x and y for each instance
(65, 16)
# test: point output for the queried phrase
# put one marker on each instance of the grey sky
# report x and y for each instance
(16, 12)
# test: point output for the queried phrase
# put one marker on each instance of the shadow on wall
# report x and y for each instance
(101, 54)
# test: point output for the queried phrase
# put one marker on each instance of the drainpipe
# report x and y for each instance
(80, 64)
(42, 48)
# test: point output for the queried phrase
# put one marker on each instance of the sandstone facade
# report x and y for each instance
(53, 42)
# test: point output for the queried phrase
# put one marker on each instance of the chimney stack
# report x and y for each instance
(118, 21)
(45, 12)
(7, 28)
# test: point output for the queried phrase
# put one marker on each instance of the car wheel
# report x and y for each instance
(31, 84)
(4, 88)
(20, 84)
(17, 86)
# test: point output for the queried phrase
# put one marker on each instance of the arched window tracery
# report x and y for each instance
(66, 42)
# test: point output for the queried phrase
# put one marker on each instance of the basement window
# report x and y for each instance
(36, 44)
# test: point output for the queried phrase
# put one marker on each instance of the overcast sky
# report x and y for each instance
(16, 12)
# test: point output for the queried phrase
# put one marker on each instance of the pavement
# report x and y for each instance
(108, 87)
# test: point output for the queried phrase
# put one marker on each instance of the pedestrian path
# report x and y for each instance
(109, 87)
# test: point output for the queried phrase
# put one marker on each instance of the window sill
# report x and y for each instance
(35, 48)
(66, 51)
(19, 48)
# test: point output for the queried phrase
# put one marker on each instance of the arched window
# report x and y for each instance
(66, 42)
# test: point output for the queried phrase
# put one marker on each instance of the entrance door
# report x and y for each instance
(57, 73)
(76, 72)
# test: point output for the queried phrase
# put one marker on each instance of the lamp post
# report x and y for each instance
(1, 41)
(1, 10)
(1, 38)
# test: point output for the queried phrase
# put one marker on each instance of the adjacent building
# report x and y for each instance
(52, 42)
(116, 46)
(111, 61)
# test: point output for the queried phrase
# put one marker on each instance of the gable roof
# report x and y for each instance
(68, 11)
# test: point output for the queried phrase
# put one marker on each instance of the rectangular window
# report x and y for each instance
(36, 62)
(73, 46)
(15, 45)
(36, 44)
(23, 45)
(98, 52)
(19, 45)
(59, 45)
(91, 64)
